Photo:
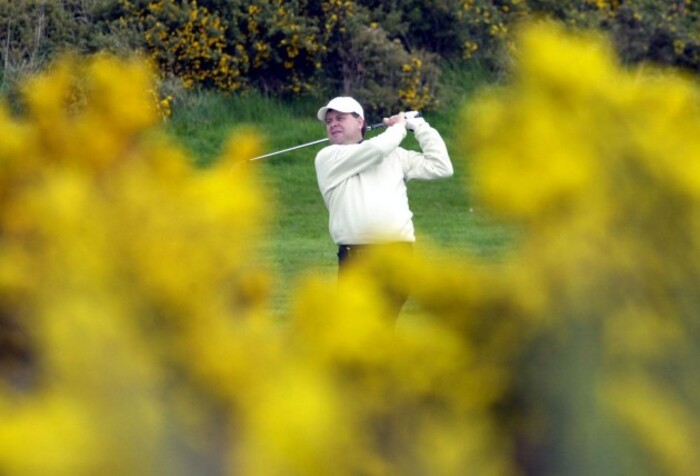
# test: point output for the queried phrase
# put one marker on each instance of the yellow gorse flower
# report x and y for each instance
(98, 214)
(599, 165)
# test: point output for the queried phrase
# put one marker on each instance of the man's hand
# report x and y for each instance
(399, 118)
(413, 120)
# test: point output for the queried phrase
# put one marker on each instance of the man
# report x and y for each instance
(363, 182)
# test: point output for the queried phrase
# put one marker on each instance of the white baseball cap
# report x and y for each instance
(341, 104)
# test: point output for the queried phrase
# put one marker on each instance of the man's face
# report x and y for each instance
(343, 128)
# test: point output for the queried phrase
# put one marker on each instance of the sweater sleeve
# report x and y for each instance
(336, 163)
(432, 162)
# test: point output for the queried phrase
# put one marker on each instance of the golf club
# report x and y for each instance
(301, 146)
(379, 125)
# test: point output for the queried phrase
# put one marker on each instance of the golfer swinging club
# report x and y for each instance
(363, 182)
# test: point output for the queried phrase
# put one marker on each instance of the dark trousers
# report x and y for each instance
(349, 254)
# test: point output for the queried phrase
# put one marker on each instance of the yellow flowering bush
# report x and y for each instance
(416, 92)
(287, 48)
(600, 166)
(229, 45)
(486, 27)
(113, 249)
(188, 41)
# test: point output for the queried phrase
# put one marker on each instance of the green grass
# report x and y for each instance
(298, 241)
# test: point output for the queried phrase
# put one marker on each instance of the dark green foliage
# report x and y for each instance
(664, 33)
(388, 53)
(661, 32)
(432, 26)
(33, 32)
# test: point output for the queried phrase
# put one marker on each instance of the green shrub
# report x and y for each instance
(382, 74)
(32, 31)
(431, 26)
(655, 31)
(487, 28)
(663, 33)
(288, 48)
(386, 53)
(373, 63)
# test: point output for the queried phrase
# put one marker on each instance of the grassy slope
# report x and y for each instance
(444, 214)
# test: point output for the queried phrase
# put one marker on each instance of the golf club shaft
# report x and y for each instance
(301, 146)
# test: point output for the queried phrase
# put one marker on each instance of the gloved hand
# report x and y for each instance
(413, 120)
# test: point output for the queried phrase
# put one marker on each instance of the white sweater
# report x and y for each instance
(364, 185)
